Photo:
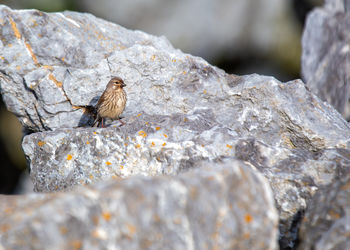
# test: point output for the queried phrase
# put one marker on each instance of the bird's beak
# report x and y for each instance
(123, 85)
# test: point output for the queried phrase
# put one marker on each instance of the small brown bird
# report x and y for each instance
(112, 102)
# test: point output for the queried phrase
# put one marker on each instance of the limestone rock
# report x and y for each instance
(327, 220)
(210, 207)
(326, 54)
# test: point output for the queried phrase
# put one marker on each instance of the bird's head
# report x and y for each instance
(116, 83)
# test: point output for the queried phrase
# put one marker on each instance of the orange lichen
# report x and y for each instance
(15, 29)
(87, 142)
(63, 230)
(53, 78)
(47, 67)
(131, 228)
(165, 135)
(153, 144)
(142, 133)
(248, 218)
(125, 144)
(18, 67)
(69, 157)
(106, 215)
(164, 144)
(139, 115)
(157, 128)
(77, 244)
(184, 72)
(41, 143)
(29, 48)
(228, 145)
(246, 236)
(185, 119)
(108, 163)
(137, 146)
(4, 228)
(91, 176)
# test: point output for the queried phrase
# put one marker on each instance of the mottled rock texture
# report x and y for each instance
(210, 207)
(180, 110)
(326, 54)
(326, 224)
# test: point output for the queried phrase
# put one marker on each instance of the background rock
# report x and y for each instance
(180, 110)
(207, 208)
(327, 219)
(326, 54)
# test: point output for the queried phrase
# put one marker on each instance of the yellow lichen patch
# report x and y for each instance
(246, 236)
(47, 67)
(69, 157)
(91, 176)
(142, 133)
(63, 230)
(228, 145)
(334, 214)
(205, 91)
(94, 132)
(41, 143)
(184, 72)
(139, 115)
(165, 135)
(108, 163)
(248, 218)
(29, 48)
(164, 144)
(121, 167)
(77, 244)
(53, 78)
(18, 67)
(15, 29)
(9, 45)
(157, 128)
(137, 146)
(4, 228)
(126, 144)
(174, 60)
(131, 228)
(153, 144)
(62, 59)
(146, 123)
(153, 57)
(1, 57)
(106, 215)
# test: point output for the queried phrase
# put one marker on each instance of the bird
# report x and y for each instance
(112, 102)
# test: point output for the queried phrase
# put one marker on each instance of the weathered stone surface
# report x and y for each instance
(210, 207)
(326, 54)
(180, 110)
(326, 224)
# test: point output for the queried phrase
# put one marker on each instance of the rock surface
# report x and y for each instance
(326, 54)
(326, 224)
(207, 208)
(180, 110)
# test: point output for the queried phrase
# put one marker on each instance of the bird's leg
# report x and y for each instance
(102, 122)
(121, 121)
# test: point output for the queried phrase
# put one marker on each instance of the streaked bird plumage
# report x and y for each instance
(112, 102)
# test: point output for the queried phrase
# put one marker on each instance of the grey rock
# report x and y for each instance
(209, 207)
(217, 30)
(326, 54)
(180, 110)
(327, 219)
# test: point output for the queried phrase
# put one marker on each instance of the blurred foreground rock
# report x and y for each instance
(180, 111)
(327, 220)
(210, 207)
(326, 54)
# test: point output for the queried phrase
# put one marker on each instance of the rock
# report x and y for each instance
(326, 54)
(327, 219)
(220, 29)
(180, 110)
(207, 208)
